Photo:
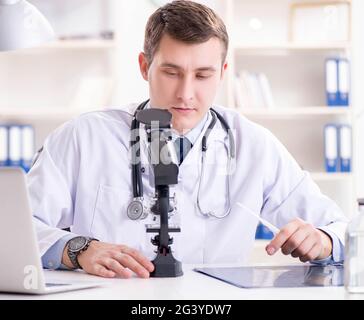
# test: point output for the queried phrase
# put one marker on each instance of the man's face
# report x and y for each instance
(184, 79)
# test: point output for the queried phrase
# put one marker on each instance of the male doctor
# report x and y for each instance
(82, 178)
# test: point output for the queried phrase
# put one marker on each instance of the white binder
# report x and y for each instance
(331, 148)
(28, 146)
(15, 145)
(266, 91)
(345, 148)
(332, 90)
(344, 82)
(4, 148)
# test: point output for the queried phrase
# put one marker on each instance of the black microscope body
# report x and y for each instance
(163, 157)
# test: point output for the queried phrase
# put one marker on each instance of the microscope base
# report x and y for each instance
(166, 266)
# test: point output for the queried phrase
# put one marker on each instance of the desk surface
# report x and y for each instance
(191, 286)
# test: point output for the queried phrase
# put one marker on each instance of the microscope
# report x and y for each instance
(165, 167)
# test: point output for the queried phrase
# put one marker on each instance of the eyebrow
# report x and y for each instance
(174, 66)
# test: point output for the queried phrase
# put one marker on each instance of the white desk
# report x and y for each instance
(192, 286)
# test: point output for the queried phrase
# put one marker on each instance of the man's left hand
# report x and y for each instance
(301, 240)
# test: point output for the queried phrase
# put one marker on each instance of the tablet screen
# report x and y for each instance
(278, 276)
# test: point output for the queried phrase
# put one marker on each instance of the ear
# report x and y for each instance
(223, 70)
(143, 66)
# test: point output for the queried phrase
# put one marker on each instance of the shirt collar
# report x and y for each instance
(194, 133)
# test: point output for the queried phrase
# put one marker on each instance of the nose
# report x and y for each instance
(185, 90)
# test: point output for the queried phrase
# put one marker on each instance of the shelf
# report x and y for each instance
(11, 114)
(274, 48)
(85, 45)
(331, 176)
(297, 111)
(89, 44)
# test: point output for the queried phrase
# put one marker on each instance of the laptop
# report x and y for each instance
(20, 261)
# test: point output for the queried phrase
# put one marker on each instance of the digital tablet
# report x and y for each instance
(278, 276)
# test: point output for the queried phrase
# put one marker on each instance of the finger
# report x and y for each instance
(283, 236)
(117, 268)
(130, 263)
(101, 271)
(313, 253)
(304, 248)
(138, 257)
(295, 240)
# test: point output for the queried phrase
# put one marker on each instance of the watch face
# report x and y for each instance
(77, 243)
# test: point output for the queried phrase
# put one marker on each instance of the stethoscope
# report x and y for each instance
(136, 209)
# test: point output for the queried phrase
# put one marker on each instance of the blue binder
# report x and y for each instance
(345, 148)
(4, 146)
(332, 82)
(331, 147)
(344, 82)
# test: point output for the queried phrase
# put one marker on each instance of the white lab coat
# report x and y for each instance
(82, 179)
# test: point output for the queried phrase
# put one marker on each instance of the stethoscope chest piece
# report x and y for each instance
(136, 210)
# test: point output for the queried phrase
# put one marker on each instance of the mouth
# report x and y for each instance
(184, 110)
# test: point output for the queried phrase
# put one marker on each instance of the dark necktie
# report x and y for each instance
(183, 146)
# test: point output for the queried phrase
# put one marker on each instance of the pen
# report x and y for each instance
(270, 226)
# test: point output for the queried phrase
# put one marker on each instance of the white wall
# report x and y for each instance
(130, 22)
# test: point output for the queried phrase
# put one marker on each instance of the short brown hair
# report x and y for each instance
(186, 21)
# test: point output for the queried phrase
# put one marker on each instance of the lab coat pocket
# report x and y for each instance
(110, 221)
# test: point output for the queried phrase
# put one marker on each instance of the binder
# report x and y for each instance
(256, 90)
(344, 82)
(345, 148)
(266, 91)
(332, 82)
(4, 145)
(14, 146)
(331, 147)
(238, 94)
(27, 147)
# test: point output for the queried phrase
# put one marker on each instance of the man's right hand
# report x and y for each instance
(110, 260)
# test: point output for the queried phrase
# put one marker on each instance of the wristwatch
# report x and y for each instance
(76, 246)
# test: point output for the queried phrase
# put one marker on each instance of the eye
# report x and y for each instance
(171, 73)
(202, 76)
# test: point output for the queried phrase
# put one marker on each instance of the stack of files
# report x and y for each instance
(337, 82)
(253, 90)
(17, 146)
(338, 148)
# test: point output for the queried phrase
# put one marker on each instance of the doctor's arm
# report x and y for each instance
(52, 186)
